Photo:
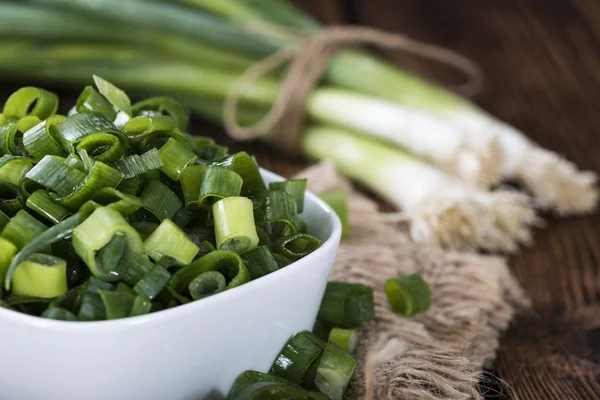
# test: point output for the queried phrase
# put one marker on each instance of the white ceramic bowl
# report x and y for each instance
(190, 352)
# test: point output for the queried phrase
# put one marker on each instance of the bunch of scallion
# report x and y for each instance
(428, 151)
(116, 211)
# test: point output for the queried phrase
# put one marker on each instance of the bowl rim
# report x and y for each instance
(166, 316)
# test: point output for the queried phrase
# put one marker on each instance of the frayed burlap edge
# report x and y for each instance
(441, 353)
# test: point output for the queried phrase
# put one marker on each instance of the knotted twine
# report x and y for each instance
(308, 60)
(436, 355)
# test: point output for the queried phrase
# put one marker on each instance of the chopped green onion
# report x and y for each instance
(10, 201)
(74, 161)
(335, 371)
(254, 385)
(12, 168)
(40, 275)
(76, 127)
(227, 263)
(241, 163)
(39, 142)
(3, 220)
(176, 155)
(7, 252)
(280, 206)
(135, 165)
(235, 229)
(293, 187)
(58, 313)
(13, 140)
(159, 200)
(40, 242)
(22, 229)
(91, 306)
(408, 295)
(346, 305)
(90, 100)
(55, 175)
(347, 339)
(336, 199)
(141, 306)
(103, 147)
(219, 183)
(260, 262)
(30, 101)
(110, 197)
(43, 204)
(100, 176)
(166, 106)
(297, 356)
(113, 94)
(191, 181)
(298, 246)
(207, 284)
(107, 244)
(153, 282)
(168, 240)
(28, 122)
(142, 126)
(208, 150)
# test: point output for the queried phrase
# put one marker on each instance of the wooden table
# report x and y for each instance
(542, 63)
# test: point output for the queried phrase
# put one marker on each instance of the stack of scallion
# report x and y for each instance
(426, 150)
(115, 211)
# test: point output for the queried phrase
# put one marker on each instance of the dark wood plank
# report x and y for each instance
(541, 61)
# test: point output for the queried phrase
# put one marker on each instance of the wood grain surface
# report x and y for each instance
(541, 59)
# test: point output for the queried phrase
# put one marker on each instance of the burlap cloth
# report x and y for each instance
(442, 353)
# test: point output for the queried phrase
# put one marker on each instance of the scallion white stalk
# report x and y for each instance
(442, 210)
(554, 181)
(474, 157)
